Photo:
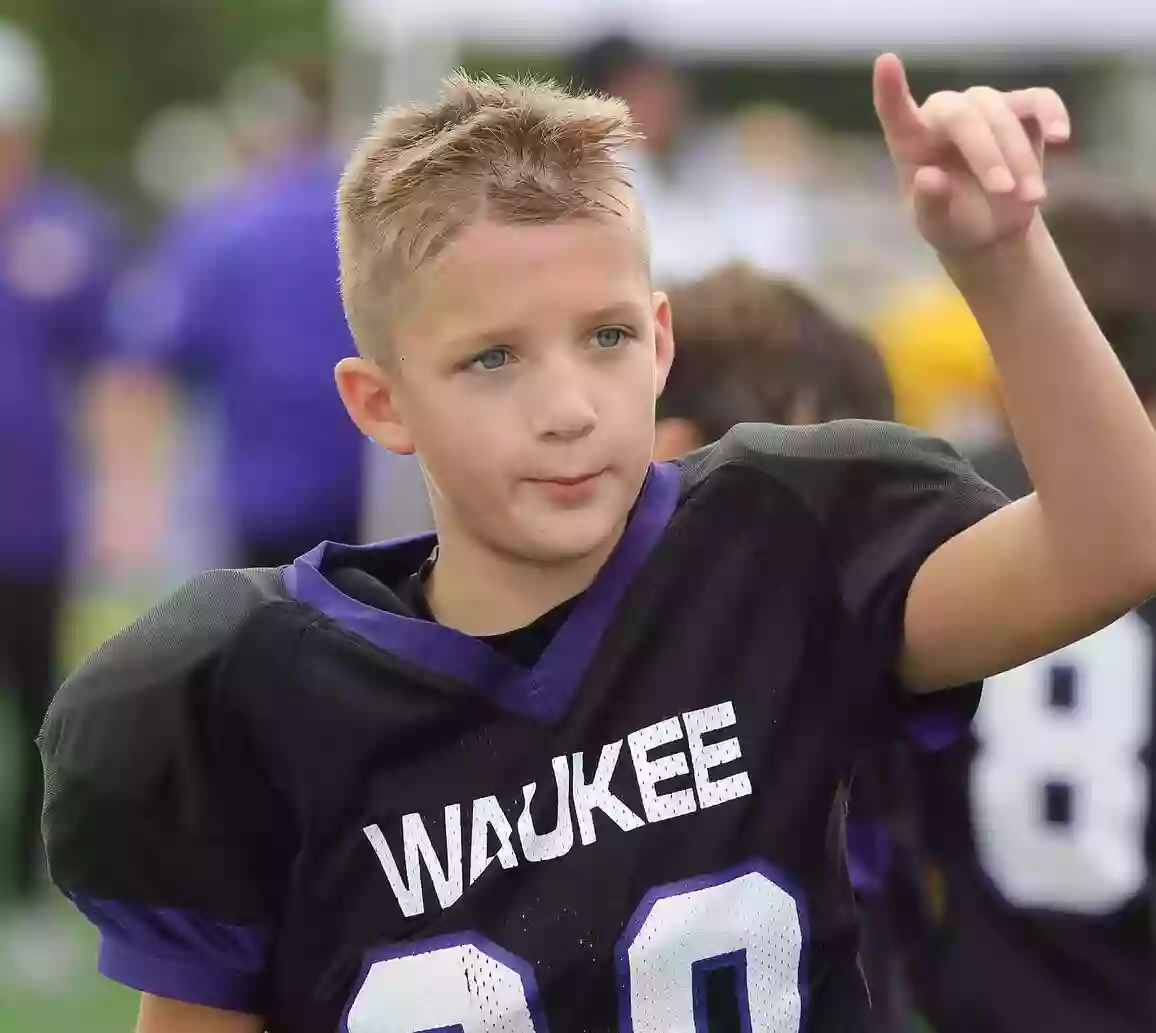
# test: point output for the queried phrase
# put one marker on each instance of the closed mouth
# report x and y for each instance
(569, 481)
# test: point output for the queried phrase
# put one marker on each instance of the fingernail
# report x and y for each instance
(1058, 130)
(1033, 189)
(1000, 181)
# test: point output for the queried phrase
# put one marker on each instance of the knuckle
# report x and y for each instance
(955, 112)
(983, 94)
(944, 103)
(992, 103)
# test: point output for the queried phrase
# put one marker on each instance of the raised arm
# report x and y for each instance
(1082, 550)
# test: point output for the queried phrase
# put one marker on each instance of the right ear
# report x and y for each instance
(663, 340)
(372, 398)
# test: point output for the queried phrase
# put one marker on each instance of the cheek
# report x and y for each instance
(460, 443)
(633, 394)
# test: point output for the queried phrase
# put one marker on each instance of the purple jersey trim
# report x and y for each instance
(179, 955)
(542, 692)
(937, 720)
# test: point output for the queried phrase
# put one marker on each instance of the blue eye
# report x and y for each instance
(609, 337)
(491, 358)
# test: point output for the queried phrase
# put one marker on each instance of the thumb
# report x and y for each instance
(896, 108)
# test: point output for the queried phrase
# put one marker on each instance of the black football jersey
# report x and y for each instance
(283, 792)
(1039, 825)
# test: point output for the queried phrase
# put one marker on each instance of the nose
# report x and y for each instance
(564, 408)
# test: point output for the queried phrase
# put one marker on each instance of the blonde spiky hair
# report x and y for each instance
(517, 150)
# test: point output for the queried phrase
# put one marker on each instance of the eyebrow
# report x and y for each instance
(622, 311)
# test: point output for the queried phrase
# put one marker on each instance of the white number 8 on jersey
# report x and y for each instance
(1059, 792)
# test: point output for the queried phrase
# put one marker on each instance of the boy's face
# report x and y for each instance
(524, 369)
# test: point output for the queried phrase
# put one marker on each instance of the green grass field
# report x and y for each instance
(80, 1001)
(89, 1005)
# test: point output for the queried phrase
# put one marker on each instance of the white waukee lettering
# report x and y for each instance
(554, 844)
(418, 848)
(488, 814)
(576, 799)
(596, 795)
(660, 806)
(703, 757)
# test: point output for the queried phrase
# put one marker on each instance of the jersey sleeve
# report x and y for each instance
(887, 497)
(155, 827)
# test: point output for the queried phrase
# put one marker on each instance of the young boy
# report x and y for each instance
(581, 764)
(1039, 821)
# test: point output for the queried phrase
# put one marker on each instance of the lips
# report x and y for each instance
(569, 482)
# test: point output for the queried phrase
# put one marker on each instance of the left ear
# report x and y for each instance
(370, 394)
(663, 340)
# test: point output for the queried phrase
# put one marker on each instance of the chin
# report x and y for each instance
(565, 539)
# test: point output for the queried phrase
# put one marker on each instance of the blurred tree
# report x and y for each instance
(115, 63)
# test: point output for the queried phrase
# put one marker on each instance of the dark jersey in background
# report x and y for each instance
(283, 791)
(1040, 828)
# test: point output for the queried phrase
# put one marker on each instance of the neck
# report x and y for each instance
(482, 592)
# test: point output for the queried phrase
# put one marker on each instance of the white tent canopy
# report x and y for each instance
(734, 28)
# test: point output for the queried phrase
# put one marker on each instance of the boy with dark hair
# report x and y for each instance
(1038, 824)
(578, 760)
(756, 349)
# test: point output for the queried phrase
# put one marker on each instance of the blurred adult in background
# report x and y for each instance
(58, 250)
(710, 197)
(1039, 827)
(239, 297)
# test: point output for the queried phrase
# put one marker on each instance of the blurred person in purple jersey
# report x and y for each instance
(756, 349)
(58, 248)
(1038, 827)
(239, 296)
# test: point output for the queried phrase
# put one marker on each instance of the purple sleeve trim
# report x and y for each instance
(938, 720)
(179, 955)
(195, 983)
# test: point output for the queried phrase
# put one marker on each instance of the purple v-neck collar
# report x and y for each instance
(543, 692)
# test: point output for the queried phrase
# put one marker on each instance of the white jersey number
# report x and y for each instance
(1059, 791)
(678, 934)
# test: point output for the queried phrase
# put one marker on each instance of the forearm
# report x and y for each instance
(161, 1015)
(1085, 437)
(131, 415)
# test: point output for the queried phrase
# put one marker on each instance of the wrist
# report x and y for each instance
(1002, 264)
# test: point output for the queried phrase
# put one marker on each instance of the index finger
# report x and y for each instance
(898, 113)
